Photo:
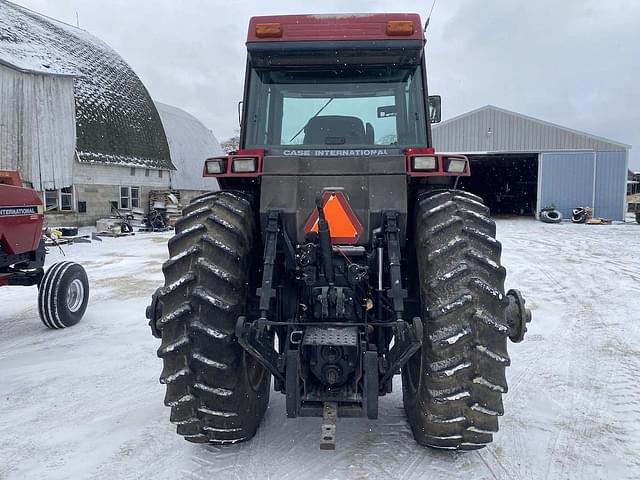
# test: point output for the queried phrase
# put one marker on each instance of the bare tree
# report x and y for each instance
(231, 144)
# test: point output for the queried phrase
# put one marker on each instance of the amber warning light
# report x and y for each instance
(269, 30)
(399, 28)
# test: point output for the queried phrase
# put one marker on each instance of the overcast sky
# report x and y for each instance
(572, 62)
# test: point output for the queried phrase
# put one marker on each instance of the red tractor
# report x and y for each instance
(63, 290)
(338, 252)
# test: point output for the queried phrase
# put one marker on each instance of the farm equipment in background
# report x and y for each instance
(63, 289)
(338, 252)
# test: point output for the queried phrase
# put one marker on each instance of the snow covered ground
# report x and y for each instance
(86, 403)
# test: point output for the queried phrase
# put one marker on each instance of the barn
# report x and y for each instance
(79, 124)
(520, 164)
(190, 143)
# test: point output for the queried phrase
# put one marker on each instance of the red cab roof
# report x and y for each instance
(371, 26)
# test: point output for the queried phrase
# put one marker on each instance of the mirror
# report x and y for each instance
(434, 102)
(387, 111)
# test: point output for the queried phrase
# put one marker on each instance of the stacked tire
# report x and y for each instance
(579, 215)
(453, 387)
(551, 216)
(217, 392)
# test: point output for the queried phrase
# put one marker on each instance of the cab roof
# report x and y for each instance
(336, 27)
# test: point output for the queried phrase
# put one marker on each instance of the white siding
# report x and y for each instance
(37, 127)
(98, 174)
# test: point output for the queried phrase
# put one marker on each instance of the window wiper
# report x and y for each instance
(317, 113)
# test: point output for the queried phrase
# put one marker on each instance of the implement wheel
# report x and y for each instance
(63, 295)
(217, 393)
(452, 388)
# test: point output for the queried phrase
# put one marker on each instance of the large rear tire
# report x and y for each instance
(452, 388)
(217, 393)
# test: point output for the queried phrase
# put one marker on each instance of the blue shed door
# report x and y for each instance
(611, 185)
(566, 180)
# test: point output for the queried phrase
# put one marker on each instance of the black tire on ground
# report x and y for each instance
(217, 392)
(63, 295)
(452, 388)
(551, 216)
(68, 231)
(579, 217)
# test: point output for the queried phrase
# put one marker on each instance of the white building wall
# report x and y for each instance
(37, 127)
(99, 174)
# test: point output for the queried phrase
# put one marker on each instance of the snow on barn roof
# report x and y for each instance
(190, 143)
(116, 120)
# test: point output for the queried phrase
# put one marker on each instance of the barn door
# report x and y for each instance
(566, 180)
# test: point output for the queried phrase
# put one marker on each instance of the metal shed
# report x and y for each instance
(521, 164)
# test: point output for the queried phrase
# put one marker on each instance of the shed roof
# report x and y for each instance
(116, 120)
(495, 129)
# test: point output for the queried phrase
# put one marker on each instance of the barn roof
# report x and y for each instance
(495, 129)
(190, 143)
(116, 120)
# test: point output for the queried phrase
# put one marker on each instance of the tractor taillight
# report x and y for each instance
(456, 165)
(244, 165)
(241, 163)
(424, 164)
(216, 166)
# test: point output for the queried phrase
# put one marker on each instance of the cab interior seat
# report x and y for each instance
(336, 130)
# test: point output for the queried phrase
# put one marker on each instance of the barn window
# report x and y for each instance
(66, 199)
(61, 200)
(129, 197)
(125, 196)
(135, 197)
(51, 200)
(132, 172)
(159, 173)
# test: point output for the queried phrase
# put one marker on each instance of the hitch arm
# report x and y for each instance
(255, 339)
(324, 239)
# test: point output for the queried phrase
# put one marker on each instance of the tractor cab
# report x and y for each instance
(310, 95)
(332, 86)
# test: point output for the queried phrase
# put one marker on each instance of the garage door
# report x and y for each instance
(566, 180)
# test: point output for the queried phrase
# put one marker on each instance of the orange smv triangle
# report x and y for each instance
(343, 223)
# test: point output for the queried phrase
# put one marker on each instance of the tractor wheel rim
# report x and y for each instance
(75, 295)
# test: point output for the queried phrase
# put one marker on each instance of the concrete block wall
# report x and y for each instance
(99, 198)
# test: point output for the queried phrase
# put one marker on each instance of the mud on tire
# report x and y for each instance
(452, 388)
(216, 392)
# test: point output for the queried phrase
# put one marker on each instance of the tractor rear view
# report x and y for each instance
(338, 252)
